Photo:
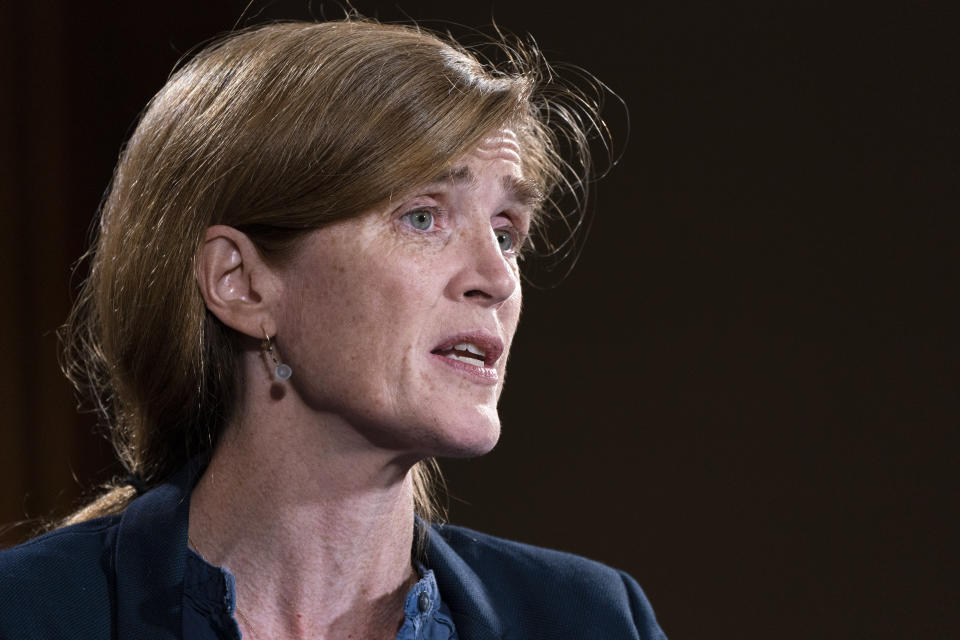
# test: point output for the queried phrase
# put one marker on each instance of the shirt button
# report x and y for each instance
(423, 602)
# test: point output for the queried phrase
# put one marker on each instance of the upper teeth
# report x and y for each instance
(476, 353)
(466, 346)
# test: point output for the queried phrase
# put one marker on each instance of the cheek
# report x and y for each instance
(362, 320)
(511, 313)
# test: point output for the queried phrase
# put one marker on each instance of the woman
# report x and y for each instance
(304, 289)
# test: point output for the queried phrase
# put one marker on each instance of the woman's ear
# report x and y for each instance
(236, 284)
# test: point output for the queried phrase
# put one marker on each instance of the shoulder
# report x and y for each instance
(492, 556)
(551, 589)
(59, 581)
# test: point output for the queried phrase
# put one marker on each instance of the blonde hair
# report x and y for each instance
(276, 131)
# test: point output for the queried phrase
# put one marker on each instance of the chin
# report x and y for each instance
(469, 438)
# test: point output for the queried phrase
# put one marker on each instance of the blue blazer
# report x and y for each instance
(121, 577)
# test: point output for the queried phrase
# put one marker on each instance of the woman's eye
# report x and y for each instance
(421, 219)
(504, 239)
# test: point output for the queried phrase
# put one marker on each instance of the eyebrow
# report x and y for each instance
(455, 175)
(525, 192)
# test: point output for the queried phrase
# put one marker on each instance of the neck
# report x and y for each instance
(317, 533)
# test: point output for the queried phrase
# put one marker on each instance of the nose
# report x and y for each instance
(484, 275)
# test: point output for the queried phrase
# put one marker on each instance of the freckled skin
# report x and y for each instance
(367, 299)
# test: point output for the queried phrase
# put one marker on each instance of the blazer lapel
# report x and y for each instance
(151, 560)
(463, 592)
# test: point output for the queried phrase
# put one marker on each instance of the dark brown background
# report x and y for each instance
(746, 392)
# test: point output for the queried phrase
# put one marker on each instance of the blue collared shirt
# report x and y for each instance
(210, 604)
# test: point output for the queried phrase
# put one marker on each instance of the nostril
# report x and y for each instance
(475, 293)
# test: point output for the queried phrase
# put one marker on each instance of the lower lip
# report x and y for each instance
(483, 375)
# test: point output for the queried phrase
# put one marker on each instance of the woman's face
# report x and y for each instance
(400, 320)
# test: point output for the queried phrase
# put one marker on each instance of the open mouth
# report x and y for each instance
(476, 348)
(464, 352)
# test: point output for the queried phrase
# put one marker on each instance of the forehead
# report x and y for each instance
(501, 144)
(500, 149)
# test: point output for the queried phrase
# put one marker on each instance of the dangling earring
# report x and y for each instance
(280, 370)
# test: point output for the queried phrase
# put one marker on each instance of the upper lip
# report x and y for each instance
(491, 346)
